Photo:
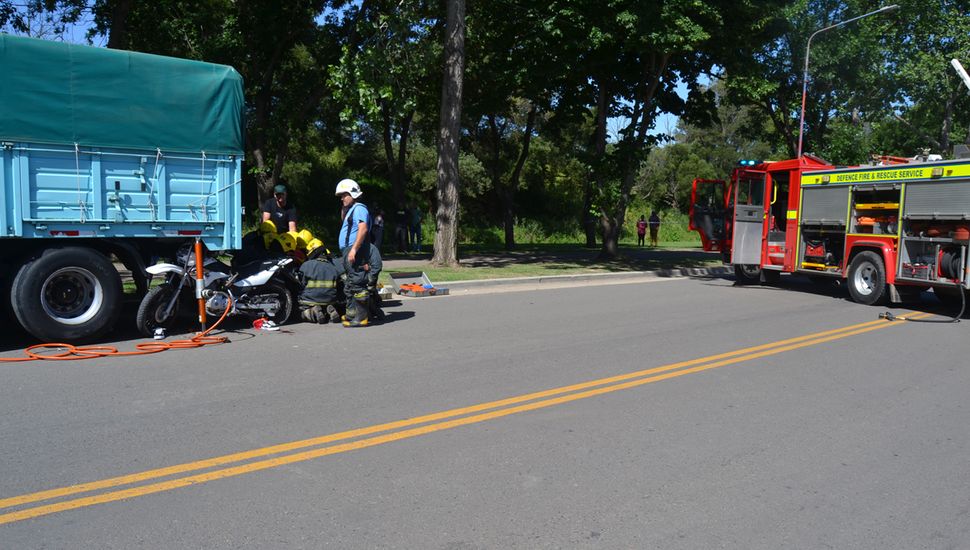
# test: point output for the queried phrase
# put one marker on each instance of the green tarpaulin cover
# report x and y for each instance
(54, 92)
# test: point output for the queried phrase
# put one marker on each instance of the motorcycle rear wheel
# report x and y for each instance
(285, 298)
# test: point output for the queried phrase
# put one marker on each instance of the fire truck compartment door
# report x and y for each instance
(707, 210)
(749, 218)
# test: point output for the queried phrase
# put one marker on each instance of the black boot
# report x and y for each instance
(361, 311)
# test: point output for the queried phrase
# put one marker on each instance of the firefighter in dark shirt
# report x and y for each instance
(320, 296)
(278, 211)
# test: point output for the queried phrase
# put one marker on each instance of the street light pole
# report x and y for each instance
(801, 123)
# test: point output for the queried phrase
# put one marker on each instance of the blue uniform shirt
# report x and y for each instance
(348, 230)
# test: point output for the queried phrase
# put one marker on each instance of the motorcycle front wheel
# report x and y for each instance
(153, 312)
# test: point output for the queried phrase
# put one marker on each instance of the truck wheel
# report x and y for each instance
(867, 278)
(746, 274)
(67, 295)
(153, 310)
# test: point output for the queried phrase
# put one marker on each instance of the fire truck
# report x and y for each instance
(888, 230)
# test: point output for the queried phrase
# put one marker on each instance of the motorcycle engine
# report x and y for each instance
(216, 304)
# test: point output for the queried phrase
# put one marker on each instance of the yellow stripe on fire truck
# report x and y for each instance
(895, 173)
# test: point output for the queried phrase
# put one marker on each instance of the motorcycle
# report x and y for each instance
(261, 288)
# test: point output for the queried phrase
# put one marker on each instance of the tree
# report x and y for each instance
(931, 100)
(708, 151)
(508, 83)
(280, 49)
(628, 65)
(735, 133)
(665, 176)
(847, 69)
(386, 74)
(446, 218)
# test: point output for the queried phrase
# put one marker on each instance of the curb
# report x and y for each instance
(590, 277)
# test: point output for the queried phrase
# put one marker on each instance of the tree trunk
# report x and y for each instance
(396, 164)
(641, 117)
(402, 155)
(587, 219)
(118, 35)
(609, 246)
(610, 249)
(446, 220)
(388, 139)
(599, 151)
(495, 170)
(516, 177)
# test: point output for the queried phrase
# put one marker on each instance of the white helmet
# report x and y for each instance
(349, 186)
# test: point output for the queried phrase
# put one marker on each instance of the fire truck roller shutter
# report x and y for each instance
(824, 205)
(936, 200)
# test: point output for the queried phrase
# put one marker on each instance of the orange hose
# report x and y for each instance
(75, 353)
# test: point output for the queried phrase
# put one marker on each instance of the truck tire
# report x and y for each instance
(152, 310)
(67, 295)
(867, 278)
(747, 274)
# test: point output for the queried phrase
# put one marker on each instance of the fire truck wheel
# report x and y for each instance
(745, 274)
(867, 278)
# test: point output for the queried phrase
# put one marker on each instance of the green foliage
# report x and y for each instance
(423, 171)
(665, 177)
(340, 89)
(847, 144)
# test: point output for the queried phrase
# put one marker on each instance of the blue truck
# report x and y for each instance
(108, 158)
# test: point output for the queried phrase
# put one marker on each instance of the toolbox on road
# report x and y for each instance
(415, 283)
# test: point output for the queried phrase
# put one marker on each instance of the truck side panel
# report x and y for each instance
(66, 191)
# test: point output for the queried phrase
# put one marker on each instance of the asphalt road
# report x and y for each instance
(855, 436)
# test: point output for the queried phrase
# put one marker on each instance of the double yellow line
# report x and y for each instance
(246, 462)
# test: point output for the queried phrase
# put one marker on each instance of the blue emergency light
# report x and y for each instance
(748, 162)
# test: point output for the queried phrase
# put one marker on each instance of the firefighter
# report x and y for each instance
(319, 298)
(356, 251)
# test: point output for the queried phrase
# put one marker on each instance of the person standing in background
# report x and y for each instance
(641, 231)
(654, 227)
(414, 227)
(377, 232)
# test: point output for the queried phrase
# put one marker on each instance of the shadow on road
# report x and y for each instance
(923, 302)
(394, 316)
